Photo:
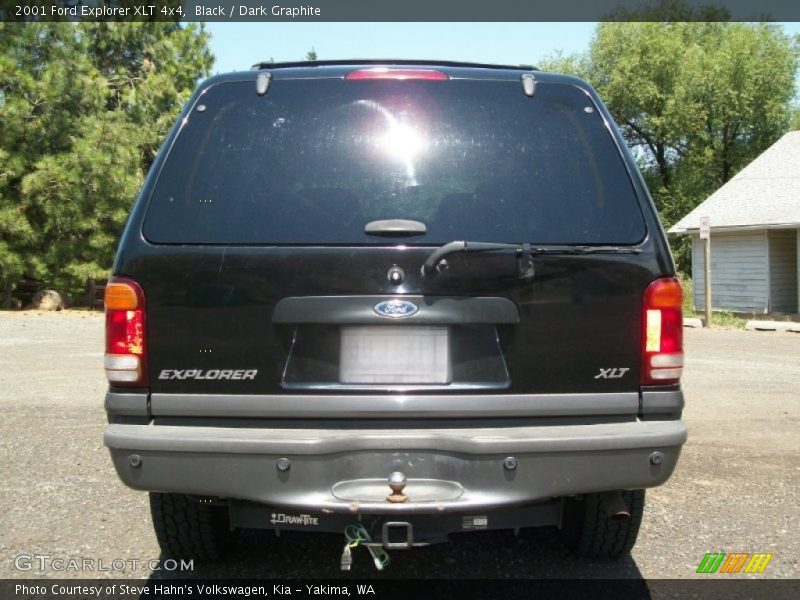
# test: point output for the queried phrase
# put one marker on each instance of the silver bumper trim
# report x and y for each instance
(241, 463)
(547, 439)
(407, 406)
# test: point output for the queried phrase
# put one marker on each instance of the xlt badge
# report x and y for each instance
(613, 373)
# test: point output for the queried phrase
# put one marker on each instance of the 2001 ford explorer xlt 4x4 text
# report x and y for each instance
(394, 300)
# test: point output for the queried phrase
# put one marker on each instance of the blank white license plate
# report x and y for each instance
(397, 355)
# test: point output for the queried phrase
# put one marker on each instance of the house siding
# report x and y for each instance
(739, 272)
(783, 271)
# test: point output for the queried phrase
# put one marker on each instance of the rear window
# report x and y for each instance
(315, 160)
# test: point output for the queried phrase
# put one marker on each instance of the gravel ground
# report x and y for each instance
(735, 489)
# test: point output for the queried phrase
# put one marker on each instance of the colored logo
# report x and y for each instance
(396, 309)
(736, 562)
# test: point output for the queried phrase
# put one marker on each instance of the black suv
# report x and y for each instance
(394, 300)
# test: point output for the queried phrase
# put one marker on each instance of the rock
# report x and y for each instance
(47, 300)
(692, 322)
(757, 325)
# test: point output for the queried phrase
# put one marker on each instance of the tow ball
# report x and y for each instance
(397, 483)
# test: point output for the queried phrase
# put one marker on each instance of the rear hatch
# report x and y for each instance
(261, 277)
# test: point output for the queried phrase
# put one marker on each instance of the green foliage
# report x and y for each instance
(696, 101)
(311, 54)
(688, 299)
(727, 320)
(86, 108)
(795, 124)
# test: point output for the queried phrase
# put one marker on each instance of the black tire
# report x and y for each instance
(190, 529)
(588, 531)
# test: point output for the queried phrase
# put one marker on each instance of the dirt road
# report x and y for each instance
(736, 488)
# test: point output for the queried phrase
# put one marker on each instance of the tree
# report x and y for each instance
(695, 101)
(86, 108)
(311, 54)
(795, 124)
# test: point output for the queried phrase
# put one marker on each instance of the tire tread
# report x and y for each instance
(590, 533)
(188, 529)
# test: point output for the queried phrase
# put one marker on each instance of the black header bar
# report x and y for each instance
(401, 11)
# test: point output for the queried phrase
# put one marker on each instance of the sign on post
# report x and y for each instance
(705, 228)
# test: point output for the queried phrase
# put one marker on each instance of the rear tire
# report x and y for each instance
(190, 529)
(588, 531)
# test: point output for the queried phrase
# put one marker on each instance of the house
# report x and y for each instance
(755, 235)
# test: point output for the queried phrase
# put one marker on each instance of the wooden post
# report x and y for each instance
(705, 235)
(92, 293)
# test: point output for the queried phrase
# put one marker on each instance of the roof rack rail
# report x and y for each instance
(385, 61)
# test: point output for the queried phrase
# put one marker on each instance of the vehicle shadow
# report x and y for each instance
(533, 554)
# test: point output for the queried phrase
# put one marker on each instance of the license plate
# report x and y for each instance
(394, 355)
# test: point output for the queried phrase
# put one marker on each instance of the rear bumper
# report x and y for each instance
(345, 470)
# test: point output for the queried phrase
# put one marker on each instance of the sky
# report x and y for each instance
(239, 45)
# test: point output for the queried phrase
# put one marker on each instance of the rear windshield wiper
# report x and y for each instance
(586, 250)
(524, 253)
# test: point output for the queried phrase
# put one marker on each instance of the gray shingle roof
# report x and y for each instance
(766, 193)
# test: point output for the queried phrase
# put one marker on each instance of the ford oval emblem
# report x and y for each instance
(396, 309)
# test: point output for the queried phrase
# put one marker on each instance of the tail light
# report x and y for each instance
(662, 338)
(385, 73)
(126, 345)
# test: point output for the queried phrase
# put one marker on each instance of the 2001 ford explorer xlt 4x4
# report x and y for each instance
(397, 299)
